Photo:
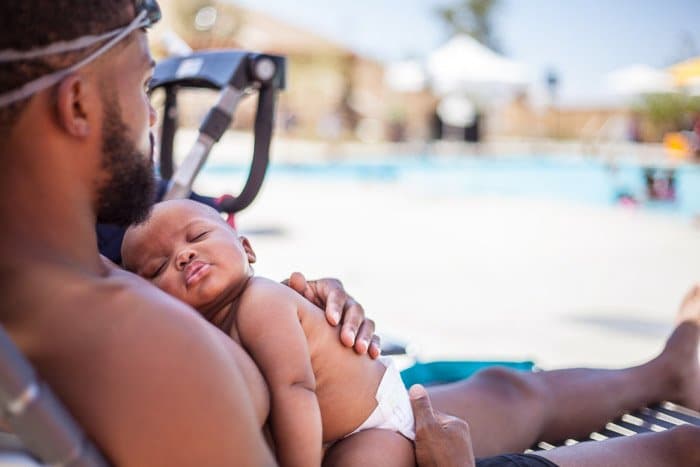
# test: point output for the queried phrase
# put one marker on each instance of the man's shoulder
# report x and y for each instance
(144, 317)
(126, 358)
(126, 294)
(81, 314)
(124, 299)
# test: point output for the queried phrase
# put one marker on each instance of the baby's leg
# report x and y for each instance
(372, 447)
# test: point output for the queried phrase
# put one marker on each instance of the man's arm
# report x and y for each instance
(161, 387)
(270, 330)
(329, 295)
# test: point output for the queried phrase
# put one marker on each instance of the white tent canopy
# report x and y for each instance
(405, 76)
(638, 79)
(463, 65)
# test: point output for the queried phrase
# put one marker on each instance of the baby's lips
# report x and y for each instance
(193, 270)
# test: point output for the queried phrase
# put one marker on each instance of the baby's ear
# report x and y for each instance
(248, 249)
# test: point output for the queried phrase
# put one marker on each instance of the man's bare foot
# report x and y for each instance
(690, 307)
(679, 359)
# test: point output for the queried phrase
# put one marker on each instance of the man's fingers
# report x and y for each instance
(353, 316)
(339, 307)
(297, 281)
(334, 306)
(441, 439)
(450, 422)
(364, 336)
(423, 410)
(420, 403)
(375, 347)
(443, 418)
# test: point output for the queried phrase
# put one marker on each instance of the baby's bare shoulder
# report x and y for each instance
(263, 291)
(265, 299)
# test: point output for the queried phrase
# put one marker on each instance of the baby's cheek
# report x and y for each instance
(167, 287)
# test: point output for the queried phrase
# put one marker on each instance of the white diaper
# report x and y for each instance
(393, 411)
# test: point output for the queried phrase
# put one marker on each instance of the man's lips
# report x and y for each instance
(195, 271)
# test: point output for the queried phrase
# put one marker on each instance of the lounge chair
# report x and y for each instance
(45, 434)
(43, 431)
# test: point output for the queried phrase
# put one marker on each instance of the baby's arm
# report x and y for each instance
(269, 329)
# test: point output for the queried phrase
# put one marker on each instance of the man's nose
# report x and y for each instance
(184, 258)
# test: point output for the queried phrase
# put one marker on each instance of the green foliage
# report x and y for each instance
(471, 17)
(669, 111)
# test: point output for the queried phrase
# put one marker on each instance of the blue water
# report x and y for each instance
(563, 178)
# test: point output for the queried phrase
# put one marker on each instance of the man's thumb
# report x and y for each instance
(297, 281)
(420, 402)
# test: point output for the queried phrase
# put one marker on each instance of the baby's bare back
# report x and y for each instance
(346, 383)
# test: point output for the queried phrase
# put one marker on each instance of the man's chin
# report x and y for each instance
(124, 207)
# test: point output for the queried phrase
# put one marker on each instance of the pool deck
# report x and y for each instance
(481, 277)
(236, 146)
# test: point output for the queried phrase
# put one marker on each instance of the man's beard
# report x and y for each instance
(129, 192)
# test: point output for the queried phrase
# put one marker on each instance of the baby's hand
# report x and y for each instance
(329, 294)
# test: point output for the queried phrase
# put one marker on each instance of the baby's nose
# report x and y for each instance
(184, 258)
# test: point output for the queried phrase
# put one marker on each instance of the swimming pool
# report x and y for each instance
(576, 179)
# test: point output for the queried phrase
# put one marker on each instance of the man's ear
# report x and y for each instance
(73, 106)
(248, 249)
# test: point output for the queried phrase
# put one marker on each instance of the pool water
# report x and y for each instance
(563, 178)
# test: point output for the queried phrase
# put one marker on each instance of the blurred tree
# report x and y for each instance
(669, 112)
(472, 17)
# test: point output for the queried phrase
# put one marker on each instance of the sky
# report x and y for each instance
(582, 40)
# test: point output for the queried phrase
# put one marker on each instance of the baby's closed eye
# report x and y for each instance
(153, 270)
(199, 236)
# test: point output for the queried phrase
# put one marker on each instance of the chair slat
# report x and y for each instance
(659, 417)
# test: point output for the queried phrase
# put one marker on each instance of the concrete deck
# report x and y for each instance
(483, 277)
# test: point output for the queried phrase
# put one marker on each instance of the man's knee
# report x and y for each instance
(510, 384)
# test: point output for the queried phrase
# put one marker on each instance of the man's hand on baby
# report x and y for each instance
(441, 440)
(329, 294)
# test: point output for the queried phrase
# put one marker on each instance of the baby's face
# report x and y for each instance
(188, 251)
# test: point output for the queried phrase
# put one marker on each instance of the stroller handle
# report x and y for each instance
(235, 73)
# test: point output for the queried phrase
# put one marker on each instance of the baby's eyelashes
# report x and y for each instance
(199, 236)
(152, 273)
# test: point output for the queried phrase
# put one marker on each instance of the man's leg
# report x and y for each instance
(676, 447)
(508, 411)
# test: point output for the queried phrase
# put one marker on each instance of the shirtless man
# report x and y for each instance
(74, 146)
(114, 350)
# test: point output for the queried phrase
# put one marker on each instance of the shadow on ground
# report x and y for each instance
(624, 325)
